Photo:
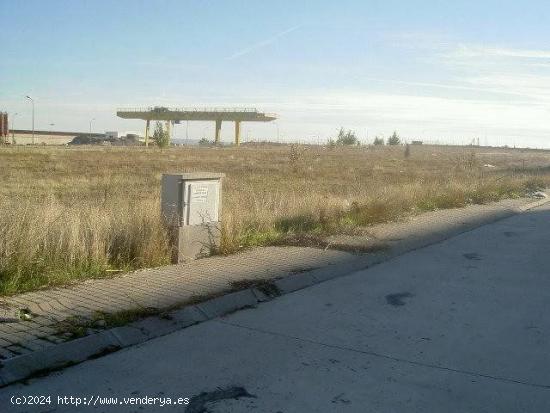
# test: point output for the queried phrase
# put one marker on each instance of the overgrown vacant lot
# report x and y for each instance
(73, 213)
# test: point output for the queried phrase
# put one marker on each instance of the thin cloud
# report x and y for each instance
(477, 51)
(264, 43)
(484, 85)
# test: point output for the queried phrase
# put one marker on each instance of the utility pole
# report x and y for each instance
(32, 100)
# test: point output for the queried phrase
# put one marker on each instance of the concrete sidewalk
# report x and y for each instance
(158, 288)
(173, 286)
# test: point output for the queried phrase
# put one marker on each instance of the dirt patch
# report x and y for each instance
(267, 287)
(198, 404)
(302, 270)
(397, 299)
(472, 256)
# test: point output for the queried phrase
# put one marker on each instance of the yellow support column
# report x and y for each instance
(147, 133)
(237, 132)
(218, 132)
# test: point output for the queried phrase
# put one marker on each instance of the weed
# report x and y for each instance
(78, 326)
(267, 287)
(121, 318)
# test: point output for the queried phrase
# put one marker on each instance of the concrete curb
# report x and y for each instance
(534, 204)
(55, 357)
(294, 282)
(62, 355)
(228, 303)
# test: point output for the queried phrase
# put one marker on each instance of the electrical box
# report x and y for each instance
(191, 208)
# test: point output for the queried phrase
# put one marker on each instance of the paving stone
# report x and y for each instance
(13, 327)
(40, 321)
(37, 344)
(21, 336)
(18, 350)
(5, 353)
(12, 338)
(52, 338)
(4, 343)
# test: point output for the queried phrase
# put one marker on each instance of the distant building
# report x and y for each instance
(111, 135)
(417, 143)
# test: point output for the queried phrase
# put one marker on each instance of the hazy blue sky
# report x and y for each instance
(439, 70)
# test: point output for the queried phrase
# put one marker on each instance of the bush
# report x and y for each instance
(394, 139)
(161, 136)
(347, 138)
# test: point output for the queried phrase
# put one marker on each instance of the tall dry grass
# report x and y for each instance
(74, 213)
(50, 243)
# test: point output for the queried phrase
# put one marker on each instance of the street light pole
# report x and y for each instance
(32, 100)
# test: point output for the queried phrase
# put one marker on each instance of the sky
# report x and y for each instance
(439, 71)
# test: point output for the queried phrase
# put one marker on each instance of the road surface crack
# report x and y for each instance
(389, 357)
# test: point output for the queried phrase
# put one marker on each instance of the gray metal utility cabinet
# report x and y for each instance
(191, 208)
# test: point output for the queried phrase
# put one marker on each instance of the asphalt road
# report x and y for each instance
(460, 326)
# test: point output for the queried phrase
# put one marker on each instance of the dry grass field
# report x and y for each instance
(74, 213)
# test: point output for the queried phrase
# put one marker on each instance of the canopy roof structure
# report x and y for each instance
(218, 115)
